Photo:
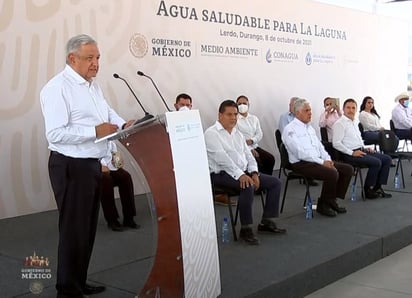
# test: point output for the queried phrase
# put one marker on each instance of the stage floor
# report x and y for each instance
(313, 254)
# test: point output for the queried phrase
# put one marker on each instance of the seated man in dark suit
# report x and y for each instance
(114, 175)
(309, 158)
(233, 166)
(347, 140)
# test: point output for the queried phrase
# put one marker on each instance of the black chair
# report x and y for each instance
(362, 131)
(337, 155)
(233, 193)
(278, 137)
(326, 144)
(405, 140)
(389, 145)
(324, 135)
(291, 175)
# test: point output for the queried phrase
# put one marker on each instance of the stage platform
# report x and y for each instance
(311, 255)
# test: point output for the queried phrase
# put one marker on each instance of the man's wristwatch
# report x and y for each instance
(255, 173)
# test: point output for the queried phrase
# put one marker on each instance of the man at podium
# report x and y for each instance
(233, 166)
(76, 114)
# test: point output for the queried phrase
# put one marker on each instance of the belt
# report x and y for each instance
(85, 158)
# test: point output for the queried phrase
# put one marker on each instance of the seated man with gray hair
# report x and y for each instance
(309, 158)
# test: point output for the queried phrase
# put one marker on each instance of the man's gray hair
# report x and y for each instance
(299, 103)
(74, 44)
(294, 99)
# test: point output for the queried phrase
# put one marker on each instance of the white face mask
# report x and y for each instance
(243, 108)
(184, 108)
(406, 103)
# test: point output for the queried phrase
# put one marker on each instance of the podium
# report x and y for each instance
(148, 143)
(173, 160)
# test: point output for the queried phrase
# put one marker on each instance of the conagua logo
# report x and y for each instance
(268, 56)
(308, 59)
(281, 56)
(138, 45)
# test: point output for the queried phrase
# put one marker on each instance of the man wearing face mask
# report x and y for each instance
(249, 126)
(402, 117)
(183, 102)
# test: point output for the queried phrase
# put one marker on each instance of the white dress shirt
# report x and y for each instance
(302, 143)
(402, 117)
(346, 135)
(72, 107)
(369, 121)
(249, 126)
(228, 152)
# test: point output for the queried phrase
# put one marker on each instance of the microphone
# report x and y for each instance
(147, 116)
(164, 102)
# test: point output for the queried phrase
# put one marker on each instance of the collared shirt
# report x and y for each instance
(72, 107)
(369, 121)
(249, 126)
(303, 144)
(284, 120)
(228, 152)
(328, 122)
(346, 135)
(402, 117)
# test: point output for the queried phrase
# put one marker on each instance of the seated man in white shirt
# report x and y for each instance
(284, 120)
(348, 141)
(233, 166)
(249, 126)
(402, 117)
(308, 157)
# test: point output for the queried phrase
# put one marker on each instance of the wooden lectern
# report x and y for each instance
(148, 143)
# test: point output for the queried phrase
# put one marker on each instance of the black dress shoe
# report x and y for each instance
(325, 210)
(115, 226)
(337, 208)
(90, 290)
(270, 226)
(383, 194)
(246, 234)
(129, 223)
(371, 194)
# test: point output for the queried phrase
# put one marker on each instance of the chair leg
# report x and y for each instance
(232, 222)
(262, 199)
(361, 182)
(307, 194)
(284, 194)
(237, 212)
(400, 165)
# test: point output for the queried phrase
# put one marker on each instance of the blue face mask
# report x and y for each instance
(406, 103)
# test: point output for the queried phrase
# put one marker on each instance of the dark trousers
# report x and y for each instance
(373, 137)
(378, 164)
(122, 179)
(403, 133)
(335, 180)
(268, 183)
(76, 187)
(265, 161)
